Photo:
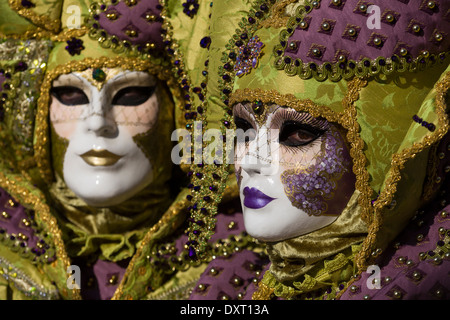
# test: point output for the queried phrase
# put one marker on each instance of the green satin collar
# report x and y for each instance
(301, 257)
(111, 233)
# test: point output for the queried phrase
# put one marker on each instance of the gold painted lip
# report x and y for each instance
(101, 157)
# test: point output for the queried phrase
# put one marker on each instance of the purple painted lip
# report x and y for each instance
(255, 199)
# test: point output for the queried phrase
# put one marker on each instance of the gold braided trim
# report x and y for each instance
(42, 212)
(41, 147)
(39, 33)
(278, 17)
(397, 164)
(263, 292)
(169, 215)
(40, 20)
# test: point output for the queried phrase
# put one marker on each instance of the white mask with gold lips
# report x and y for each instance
(102, 164)
(305, 186)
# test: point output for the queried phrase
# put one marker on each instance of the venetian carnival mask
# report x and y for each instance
(294, 171)
(96, 116)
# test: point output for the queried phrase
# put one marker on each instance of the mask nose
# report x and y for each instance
(261, 155)
(100, 119)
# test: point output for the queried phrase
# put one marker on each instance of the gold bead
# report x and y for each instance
(150, 17)
(431, 4)
(438, 37)
(236, 281)
(316, 52)
(326, 26)
(397, 294)
(441, 155)
(409, 262)
(419, 237)
(26, 222)
(438, 293)
(363, 8)
(201, 287)
(112, 16)
(113, 279)
(401, 259)
(403, 51)
(5, 215)
(390, 18)
(353, 288)
(131, 33)
(377, 41)
(337, 2)
(366, 297)
(437, 260)
(387, 279)
(425, 53)
(303, 24)
(213, 271)
(351, 32)
(416, 28)
(416, 275)
(231, 225)
(441, 230)
(444, 214)
(316, 4)
(438, 179)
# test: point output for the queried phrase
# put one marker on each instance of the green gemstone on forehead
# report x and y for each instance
(258, 107)
(98, 74)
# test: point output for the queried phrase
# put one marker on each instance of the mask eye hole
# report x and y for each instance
(133, 96)
(246, 127)
(69, 96)
(296, 134)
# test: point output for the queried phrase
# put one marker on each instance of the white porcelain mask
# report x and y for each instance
(102, 164)
(294, 172)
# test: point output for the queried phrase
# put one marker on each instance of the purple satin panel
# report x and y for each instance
(235, 272)
(133, 18)
(394, 35)
(95, 279)
(415, 280)
(14, 224)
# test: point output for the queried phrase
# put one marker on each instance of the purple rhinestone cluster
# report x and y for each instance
(248, 56)
(74, 46)
(190, 8)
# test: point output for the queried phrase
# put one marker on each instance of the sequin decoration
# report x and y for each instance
(309, 189)
(74, 46)
(248, 56)
(190, 8)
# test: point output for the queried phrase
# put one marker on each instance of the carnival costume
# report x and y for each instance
(385, 83)
(136, 249)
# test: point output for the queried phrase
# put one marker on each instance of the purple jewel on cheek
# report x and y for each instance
(312, 190)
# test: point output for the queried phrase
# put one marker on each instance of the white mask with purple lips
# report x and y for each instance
(294, 172)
